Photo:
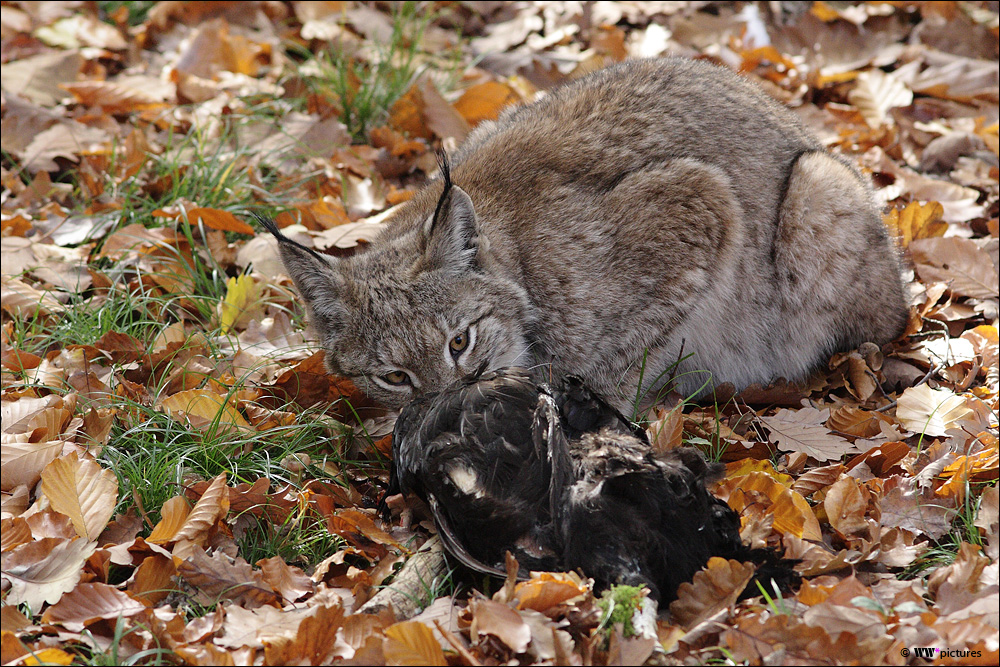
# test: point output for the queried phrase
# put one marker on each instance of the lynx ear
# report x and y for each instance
(315, 275)
(451, 236)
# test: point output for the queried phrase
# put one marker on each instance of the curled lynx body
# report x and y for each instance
(652, 207)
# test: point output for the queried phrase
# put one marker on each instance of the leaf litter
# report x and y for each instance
(135, 145)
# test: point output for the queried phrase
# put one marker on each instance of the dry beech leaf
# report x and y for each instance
(967, 269)
(412, 643)
(173, 514)
(499, 620)
(82, 490)
(44, 570)
(792, 514)
(217, 578)
(713, 589)
(154, 579)
(14, 531)
(855, 421)
(23, 462)
(802, 431)
(485, 101)
(287, 580)
(546, 590)
(875, 93)
(210, 508)
(205, 405)
(845, 507)
(441, 117)
(930, 411)
(91, 602)
(916, 221)
(315, 641)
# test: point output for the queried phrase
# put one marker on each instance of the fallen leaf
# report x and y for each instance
(82, 490)
(91, 602)
(499, 620)
(713, 589)
(802, 431)
(44, 570)
(412, 643)
(930, 411)
(967, 270)
(875, 93)
(217, 578)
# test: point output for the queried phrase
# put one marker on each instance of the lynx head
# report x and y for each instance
(415, 310)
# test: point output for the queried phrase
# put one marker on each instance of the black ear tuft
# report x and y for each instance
(445, 168)
(450, 237)
(269, 224)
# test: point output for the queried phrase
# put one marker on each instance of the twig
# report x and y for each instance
(925, 378)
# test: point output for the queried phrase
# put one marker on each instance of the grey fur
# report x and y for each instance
(649, 207)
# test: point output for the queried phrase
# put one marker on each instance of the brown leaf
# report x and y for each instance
(82, 490)
(153, 579)
(499, 620)
(855, 421)
(918, 510)
(91, 602)
(222, 220)
(173, 514)
(209, 408)
(792, 514)
(714, 588)
(442, 118)
(546, 590)
(845, 507)
(217, 578)
(802, 431)
(43, 570)
(960, 263)
(212, 507)
(14, 532)
(315, 641)
(288, 581)
(412, 643)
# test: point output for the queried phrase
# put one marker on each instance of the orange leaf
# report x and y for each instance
(222, 220)
(546, 590)
(916, 221)
(484, 101)
(82, 490)
(173, 514)
(153, 579)
(412, 643)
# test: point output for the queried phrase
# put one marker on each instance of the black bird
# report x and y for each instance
(563, 481)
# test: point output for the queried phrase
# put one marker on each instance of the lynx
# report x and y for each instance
(659, 219)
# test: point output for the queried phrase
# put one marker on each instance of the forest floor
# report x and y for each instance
(182, 482)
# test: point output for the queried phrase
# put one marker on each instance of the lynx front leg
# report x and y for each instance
(677, 239)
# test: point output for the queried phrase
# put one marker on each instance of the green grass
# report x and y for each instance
(944, 551)
(366, 87)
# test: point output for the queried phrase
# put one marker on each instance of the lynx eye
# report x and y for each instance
(458, 343)
(396, 378)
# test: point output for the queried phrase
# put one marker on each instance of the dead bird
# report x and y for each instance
(563, 481)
